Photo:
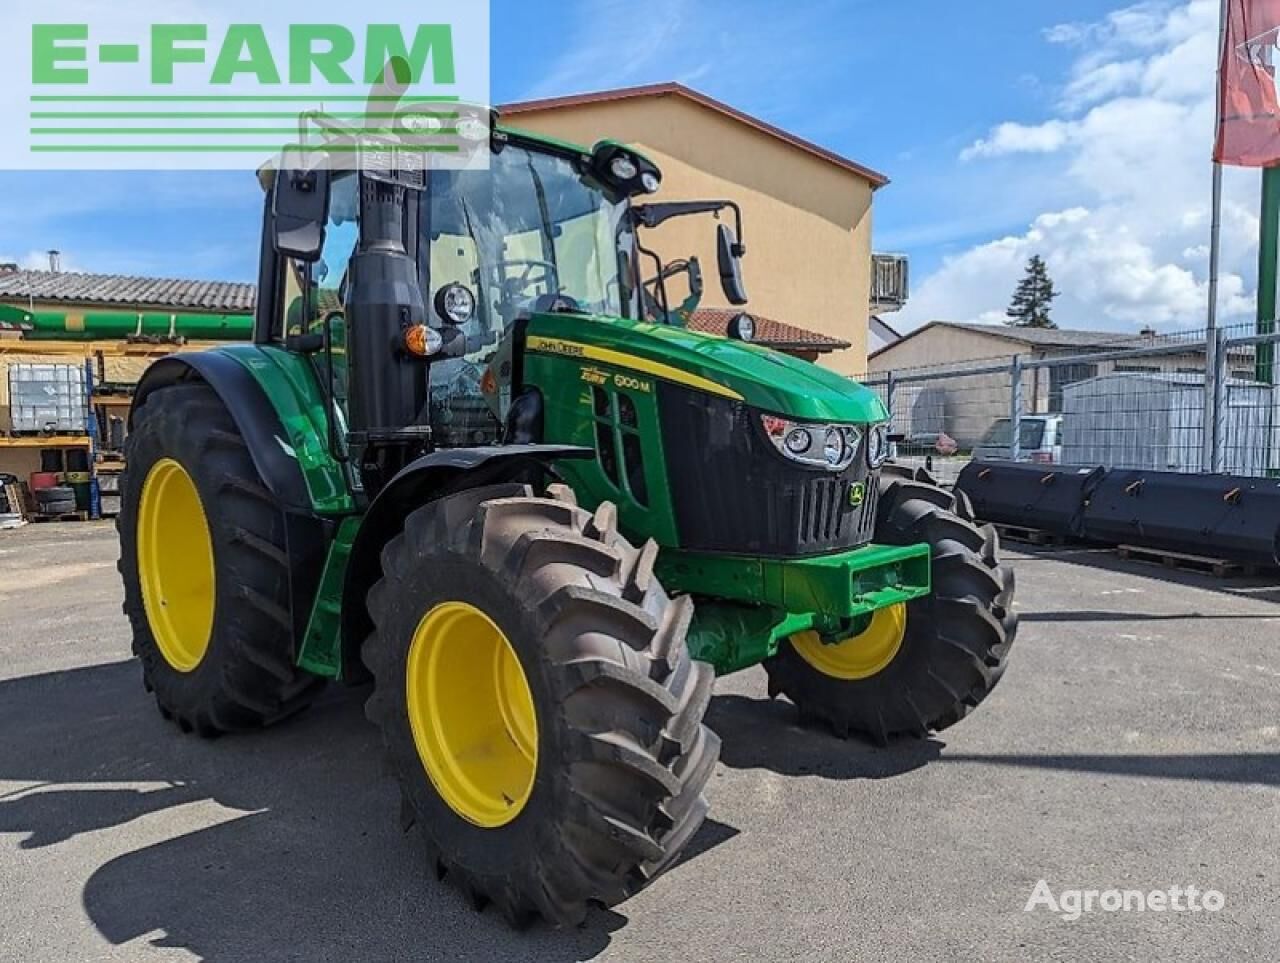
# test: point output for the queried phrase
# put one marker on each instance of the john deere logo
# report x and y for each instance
(857, 494)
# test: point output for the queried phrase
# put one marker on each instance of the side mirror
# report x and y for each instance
(300, 211)
(729, 254)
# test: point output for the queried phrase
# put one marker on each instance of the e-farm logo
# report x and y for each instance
(215, 84)
(60, 53)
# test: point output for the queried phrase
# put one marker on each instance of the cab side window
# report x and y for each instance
(328, 275)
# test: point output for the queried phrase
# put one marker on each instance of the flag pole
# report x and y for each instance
(1215, 224)
(1209, 434)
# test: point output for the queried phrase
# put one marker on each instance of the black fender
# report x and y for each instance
(433, 476)
(307, 535)
(251, 410)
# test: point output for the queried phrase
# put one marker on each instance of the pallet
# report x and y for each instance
(1219, 567)
(19, 499)
(1029, 536)
(65, 517)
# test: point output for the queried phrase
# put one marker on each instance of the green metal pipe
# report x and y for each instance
(118, 325)
(1268, 261)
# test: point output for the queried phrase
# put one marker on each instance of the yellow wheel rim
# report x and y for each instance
(860, 656)
(472, 714)
(175, 565)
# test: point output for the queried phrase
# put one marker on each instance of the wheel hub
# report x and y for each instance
(862, 655)
(472, 714)
(175, 565)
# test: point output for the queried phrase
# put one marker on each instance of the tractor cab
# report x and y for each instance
(543, 228)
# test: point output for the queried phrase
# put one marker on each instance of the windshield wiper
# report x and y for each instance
(544, 212)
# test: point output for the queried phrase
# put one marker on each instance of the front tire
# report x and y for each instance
(206, 574)
(921, 667)
(572, 771)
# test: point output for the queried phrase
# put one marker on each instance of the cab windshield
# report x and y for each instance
(527, 231)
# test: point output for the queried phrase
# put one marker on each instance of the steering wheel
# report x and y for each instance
(514, 287)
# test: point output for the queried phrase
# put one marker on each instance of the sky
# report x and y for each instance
(1079, 131)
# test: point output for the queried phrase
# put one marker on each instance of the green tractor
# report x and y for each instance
(474, 458)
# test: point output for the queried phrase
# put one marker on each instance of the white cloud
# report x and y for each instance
(1103, 81)
(1140, 25)
(1011, 138)
(1066, 34)
(1129, 149)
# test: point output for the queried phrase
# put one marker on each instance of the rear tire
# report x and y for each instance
(245, 677)
(621, 755)
(956, 642)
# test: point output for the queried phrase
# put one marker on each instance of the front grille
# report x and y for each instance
(733, 492)
(826, 512)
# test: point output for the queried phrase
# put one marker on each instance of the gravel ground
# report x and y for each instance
(1134, 743)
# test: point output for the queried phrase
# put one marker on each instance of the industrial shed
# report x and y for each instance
(112, 327)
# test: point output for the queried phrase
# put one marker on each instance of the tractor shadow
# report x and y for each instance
(767, 734)
(282, 845)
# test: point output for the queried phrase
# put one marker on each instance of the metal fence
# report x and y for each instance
(1182, 402)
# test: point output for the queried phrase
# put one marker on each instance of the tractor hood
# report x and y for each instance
(762, 378)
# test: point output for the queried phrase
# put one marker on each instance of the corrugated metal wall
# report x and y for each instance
(1156, 422)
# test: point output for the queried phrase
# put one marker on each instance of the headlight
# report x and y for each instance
(877, 445)
(455, 304)
(472, 129)
(624, 168)
(819, 446)
(650, 182)
(798, 441)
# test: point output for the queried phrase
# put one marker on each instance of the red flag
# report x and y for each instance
(1249, 85)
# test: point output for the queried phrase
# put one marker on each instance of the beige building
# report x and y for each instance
(807, 212)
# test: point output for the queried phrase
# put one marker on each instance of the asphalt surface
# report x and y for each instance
(1134, 743)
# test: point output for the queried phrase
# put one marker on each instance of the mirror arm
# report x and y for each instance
(739, 247)
(661, 284)
(653, 215)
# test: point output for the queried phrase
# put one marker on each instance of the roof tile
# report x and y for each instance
(775, 334)
(117, 290)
